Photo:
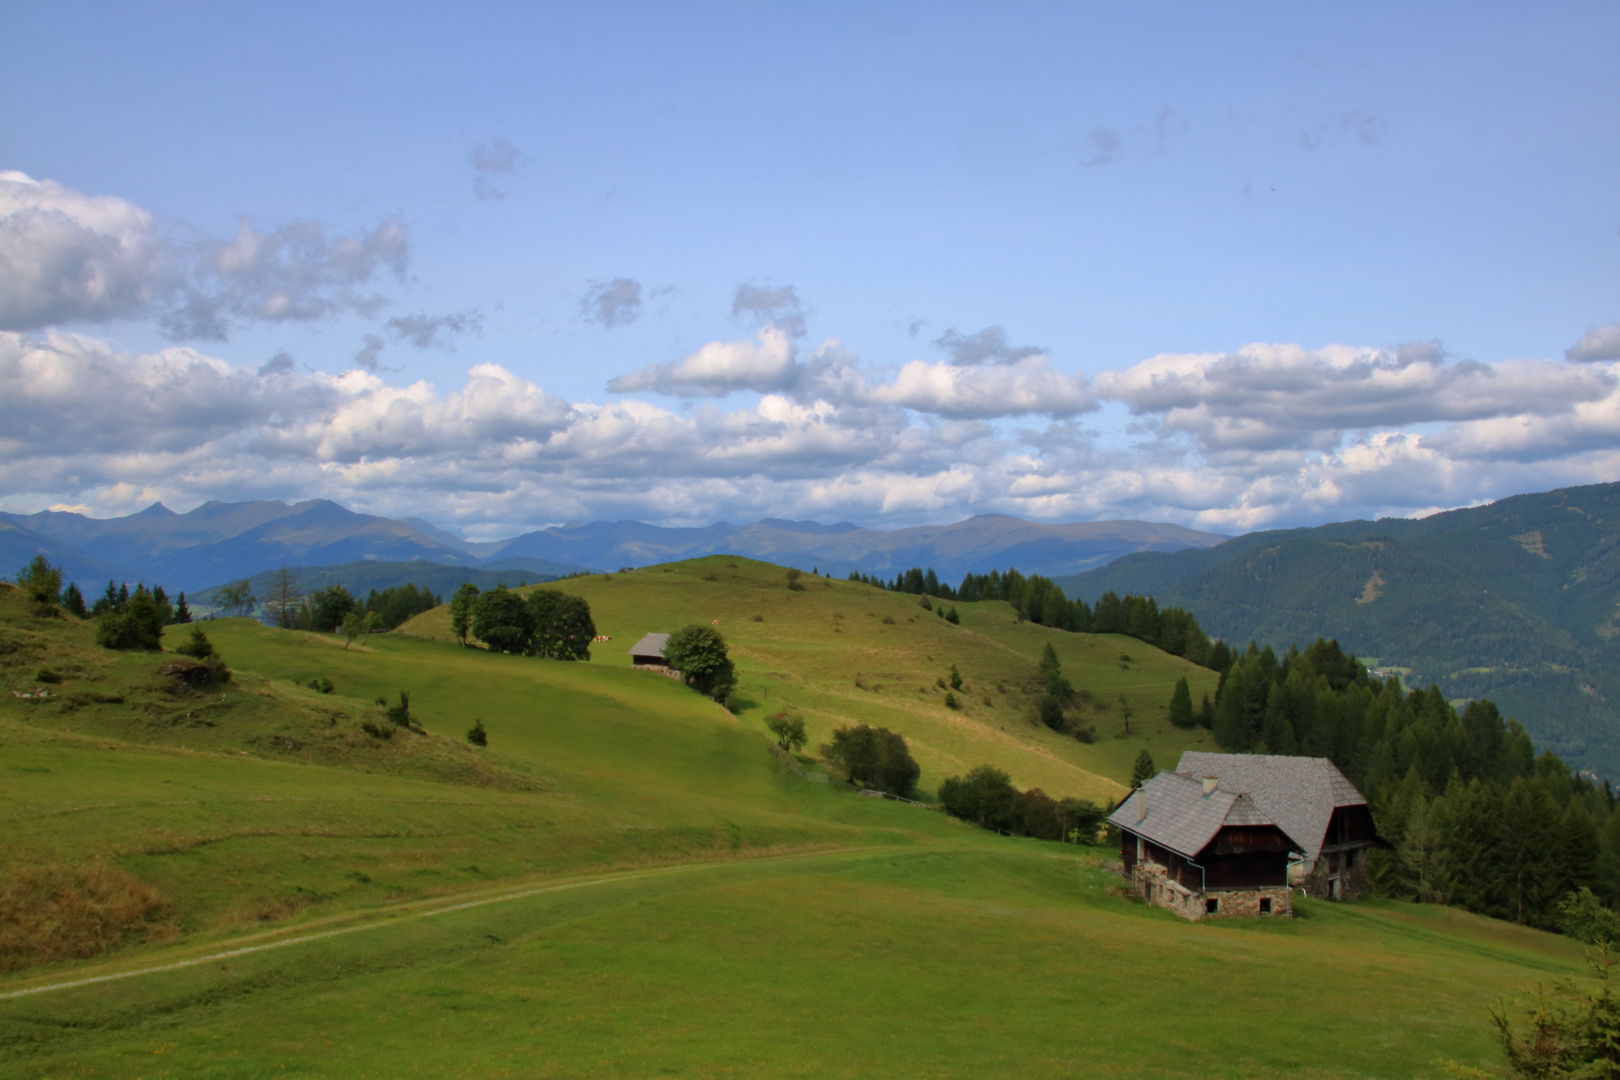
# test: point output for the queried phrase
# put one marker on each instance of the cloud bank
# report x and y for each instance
(1268, 435)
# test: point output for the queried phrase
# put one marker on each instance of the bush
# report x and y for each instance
(983, 797)
(875, 758)
(953, 618)
(322, 685)
(793, 575)
(950, 700)
(48, 675)
(375, 731)
(401, 714)
(477, 735)
(200, 648)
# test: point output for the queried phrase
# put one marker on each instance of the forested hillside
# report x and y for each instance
(1516, 602)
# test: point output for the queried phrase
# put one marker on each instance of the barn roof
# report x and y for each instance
(1299, 793)
(1181, 817)
(650, 645)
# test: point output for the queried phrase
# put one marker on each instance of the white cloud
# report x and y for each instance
(68, 257)
(1025, 387)
(1598, 343)
(1277, 396)
(721, 367)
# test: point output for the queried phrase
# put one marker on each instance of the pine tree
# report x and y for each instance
(73, 601)
(1144, 769)
(182, 614)
(1181, 709)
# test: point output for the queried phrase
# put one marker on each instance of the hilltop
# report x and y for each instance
(1518, 601)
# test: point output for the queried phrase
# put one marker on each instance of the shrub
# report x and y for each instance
(375, 731)
(874, 757)
(322, 685)
(759, 618)
(793, 575)
(888, 620)
(401, 713)
(953, 618)
(48, 675)
(956, 678)
(200, 648)
(477, 735)
(950, 700)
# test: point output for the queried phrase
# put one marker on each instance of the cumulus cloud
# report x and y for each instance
(501, 453)
(1030, 386)
(988, 344)
(770, 307)
(763, 365)
(491, 160)
(68, 257)
(1598, 343)
(1286, 396)
(426, 331)
(612, 303)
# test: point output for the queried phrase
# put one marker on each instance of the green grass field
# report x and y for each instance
(627, 882)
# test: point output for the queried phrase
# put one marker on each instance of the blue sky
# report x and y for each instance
(505, 266)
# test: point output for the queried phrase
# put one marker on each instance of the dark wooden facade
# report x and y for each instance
(1238, 857)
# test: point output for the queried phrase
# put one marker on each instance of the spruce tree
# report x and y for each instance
(1144, 769)
(1181, 708)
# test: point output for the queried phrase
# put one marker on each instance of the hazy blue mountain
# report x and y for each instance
(18, 546)
(221, 542)
(1518, 601)
(977, 544)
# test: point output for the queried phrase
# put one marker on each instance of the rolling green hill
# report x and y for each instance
(1518, 601)
(628, 882)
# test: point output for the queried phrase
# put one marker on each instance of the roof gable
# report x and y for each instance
(1298, 793)
(650, 645)
(1180, 816)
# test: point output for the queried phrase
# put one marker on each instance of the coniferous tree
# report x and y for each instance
(182, 614)
(1181, 707)
(1144, 769)
(73, 601)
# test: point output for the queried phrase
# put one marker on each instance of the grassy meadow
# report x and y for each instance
(627, 882)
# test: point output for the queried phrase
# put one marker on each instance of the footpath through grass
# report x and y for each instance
(970, 958)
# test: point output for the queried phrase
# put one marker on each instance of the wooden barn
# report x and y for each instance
(649, 652)
(1200, 851)
(1314, 803)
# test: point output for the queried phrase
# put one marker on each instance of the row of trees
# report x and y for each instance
(987, 798)
(1477, 818)
(545, 623)
(1040, 600)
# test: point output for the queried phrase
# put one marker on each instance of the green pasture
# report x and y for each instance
(826, 652)
(968, 958)
(627, 882)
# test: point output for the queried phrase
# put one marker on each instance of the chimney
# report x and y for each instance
(1210, 783)
(1141, 804)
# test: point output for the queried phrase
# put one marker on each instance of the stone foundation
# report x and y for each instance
(1349, 867)
(1151, 883)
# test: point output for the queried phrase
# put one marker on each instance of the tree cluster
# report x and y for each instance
(127, 620)
(1040, 600)
(1477, 818)
(874, 757)
(545, 623)
(987, 798)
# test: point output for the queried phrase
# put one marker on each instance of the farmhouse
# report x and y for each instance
(1228, 834)
(1191, 847)
(1310, 799)
(649, 652)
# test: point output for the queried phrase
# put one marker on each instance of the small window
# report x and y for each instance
(1265, 905)
(1212, 907)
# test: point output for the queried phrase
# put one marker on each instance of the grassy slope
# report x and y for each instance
(885, 941)
(813, 645)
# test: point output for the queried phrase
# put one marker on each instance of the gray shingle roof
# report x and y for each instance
(651, 645)
(1299, 793)
(1181, 817)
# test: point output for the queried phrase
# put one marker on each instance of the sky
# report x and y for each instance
(504, 266)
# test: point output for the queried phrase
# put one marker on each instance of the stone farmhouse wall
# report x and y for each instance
(1150, 881)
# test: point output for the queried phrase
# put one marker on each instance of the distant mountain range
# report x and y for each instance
(1518, 601)
(221, 542)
